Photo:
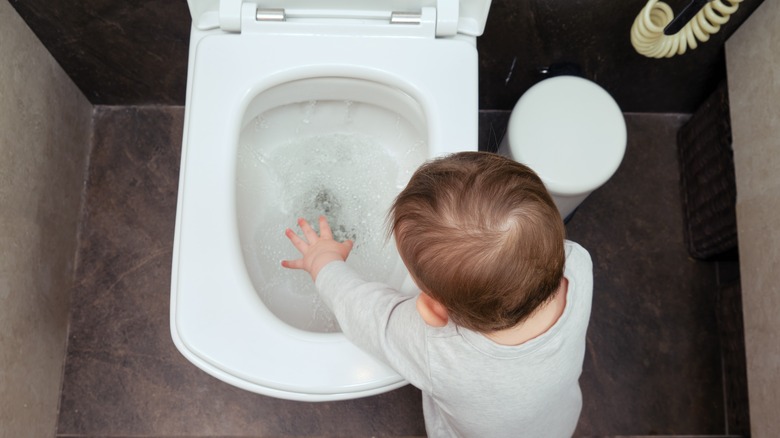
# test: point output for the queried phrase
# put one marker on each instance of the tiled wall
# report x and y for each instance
(753, 59)
(45, 124)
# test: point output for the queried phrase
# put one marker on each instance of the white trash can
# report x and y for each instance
(571, 132)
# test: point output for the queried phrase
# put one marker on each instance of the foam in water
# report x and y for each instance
(351, 178)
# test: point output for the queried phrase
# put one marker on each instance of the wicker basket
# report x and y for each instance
(707, 178)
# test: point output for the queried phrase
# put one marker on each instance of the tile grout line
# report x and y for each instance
(76, 259)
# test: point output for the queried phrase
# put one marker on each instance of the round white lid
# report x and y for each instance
(570, 132)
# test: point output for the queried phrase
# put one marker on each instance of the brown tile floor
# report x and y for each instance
(652, 364)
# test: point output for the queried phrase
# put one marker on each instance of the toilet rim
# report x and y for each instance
(245, 319)
(428, 71)
(197, 222)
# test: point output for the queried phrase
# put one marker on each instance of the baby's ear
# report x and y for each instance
(432, 312)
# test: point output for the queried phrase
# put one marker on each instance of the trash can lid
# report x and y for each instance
(570, 131)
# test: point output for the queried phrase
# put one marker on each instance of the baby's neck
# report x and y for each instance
(538, 323)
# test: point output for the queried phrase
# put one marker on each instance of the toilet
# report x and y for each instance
(300, 108)
(571, 132)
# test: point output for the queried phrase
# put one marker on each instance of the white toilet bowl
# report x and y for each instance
(571, 132)
(328, 113)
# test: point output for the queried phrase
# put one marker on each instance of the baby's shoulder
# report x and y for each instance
(575, 253)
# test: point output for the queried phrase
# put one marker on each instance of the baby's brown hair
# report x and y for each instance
(482, 236)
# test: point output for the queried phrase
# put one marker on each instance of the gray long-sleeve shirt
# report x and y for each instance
(472, 386)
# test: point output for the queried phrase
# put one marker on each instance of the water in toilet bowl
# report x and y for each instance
(332, 164)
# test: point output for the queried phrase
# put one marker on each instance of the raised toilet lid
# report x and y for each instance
(465, 17)
(571, 132)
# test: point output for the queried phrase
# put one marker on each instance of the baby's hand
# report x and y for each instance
(317, 251)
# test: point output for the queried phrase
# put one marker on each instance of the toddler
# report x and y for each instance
(496, 337)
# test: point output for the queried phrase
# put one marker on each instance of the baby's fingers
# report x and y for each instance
(293, 264)
(308, 232)
(297, 242)
(325, 231)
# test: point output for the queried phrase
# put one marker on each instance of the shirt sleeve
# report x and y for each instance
(378, 319)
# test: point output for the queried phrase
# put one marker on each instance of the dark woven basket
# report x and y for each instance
(709, 192)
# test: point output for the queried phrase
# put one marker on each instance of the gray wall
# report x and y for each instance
(753, 60)
(45, 124)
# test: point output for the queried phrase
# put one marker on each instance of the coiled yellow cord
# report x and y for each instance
(647, 33)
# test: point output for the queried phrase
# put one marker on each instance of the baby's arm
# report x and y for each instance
(372, 315)
(317, 251)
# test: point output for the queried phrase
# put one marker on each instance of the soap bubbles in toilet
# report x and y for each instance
(349, 176)
(343, 177)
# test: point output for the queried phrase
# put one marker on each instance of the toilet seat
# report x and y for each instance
(217, 320)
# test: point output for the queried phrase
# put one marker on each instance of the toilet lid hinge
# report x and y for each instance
(397, 17)
(428, 18)
(277, 14)
(327, 21)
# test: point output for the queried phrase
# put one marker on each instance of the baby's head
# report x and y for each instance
(482, 237)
